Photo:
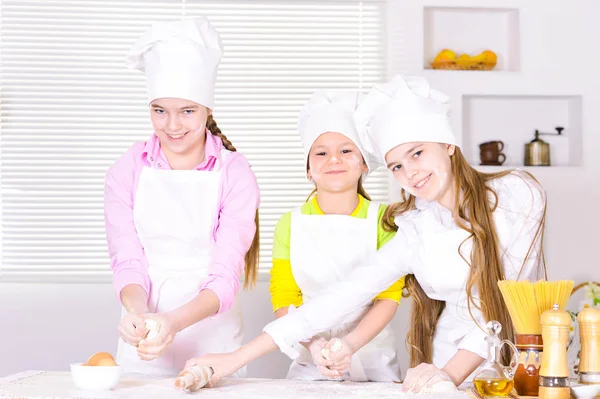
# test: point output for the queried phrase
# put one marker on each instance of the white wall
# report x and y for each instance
(47, 326)
(543, 57)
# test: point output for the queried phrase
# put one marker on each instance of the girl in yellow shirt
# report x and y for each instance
(319, 243)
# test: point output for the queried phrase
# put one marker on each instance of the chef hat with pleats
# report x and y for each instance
(180, 60)
(332, 111)
(404, 110)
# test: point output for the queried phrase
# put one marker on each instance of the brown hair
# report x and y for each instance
(485, 260)
(252, 257)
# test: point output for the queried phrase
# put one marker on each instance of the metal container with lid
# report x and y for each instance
(537, 152)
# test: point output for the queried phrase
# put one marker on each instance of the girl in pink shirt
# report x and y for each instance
(181, 211)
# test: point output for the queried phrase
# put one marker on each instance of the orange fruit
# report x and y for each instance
(101, 359)
(490, 57)
(445, 55)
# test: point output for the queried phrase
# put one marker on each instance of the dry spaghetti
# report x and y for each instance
(526, 301)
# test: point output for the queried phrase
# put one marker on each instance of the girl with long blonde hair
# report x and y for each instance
(459, 231)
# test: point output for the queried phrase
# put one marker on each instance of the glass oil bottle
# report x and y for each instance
(492, 379)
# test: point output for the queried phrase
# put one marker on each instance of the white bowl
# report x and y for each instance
(585, 391)
(96, 378)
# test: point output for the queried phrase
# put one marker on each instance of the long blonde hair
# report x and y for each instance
(485, 260)
(252, 257)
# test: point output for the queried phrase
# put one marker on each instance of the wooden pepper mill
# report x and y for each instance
(589, 334)
(554, 373)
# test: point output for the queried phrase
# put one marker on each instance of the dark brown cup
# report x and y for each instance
(490, 153)
(531, 349)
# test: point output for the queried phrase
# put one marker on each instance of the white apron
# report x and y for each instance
(324, 249)
(443, 276)
(174, 212)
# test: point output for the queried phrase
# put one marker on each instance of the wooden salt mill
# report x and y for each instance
(554, 373)
(589, 334)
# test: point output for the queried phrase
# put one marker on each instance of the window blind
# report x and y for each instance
(69, 108)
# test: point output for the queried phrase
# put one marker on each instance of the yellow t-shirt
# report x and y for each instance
(283, 287)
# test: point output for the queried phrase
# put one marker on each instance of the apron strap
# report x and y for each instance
(373, 212)
(373, 222)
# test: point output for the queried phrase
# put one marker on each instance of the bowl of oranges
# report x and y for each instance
(99, 373)
(448, 59)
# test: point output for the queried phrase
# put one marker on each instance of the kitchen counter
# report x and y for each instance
(42, 384)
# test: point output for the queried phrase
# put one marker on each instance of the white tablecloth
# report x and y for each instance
(58, 385)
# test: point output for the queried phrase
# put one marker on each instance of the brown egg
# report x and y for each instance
(101, 359)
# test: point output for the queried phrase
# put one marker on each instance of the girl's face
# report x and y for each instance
(179, 124)
(423, 170)
(335, 163)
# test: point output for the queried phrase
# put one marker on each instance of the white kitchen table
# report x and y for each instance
(58, 385)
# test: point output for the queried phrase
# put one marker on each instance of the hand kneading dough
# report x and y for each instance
(337, 345)
(193, 379)
(152, 326)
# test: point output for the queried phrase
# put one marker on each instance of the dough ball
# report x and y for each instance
(152, 326)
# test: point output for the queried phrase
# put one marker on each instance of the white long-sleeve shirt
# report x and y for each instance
(426, 245)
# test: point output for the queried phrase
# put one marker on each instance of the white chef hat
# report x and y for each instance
(405, 110)
(332, 111)
(180, 60)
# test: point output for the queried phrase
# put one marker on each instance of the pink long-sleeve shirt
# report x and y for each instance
(233, 227)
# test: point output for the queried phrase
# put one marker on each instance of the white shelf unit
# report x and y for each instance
(492, 118)
(472, 30)
(526, 90)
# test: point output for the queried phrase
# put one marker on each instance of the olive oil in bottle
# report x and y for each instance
(492, 378)
(494, 386)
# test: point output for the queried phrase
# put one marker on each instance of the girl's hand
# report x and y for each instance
(316, 347)
(340, 353)
(157, 341)
(132, 328)
(423, 377)
(223, 365)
